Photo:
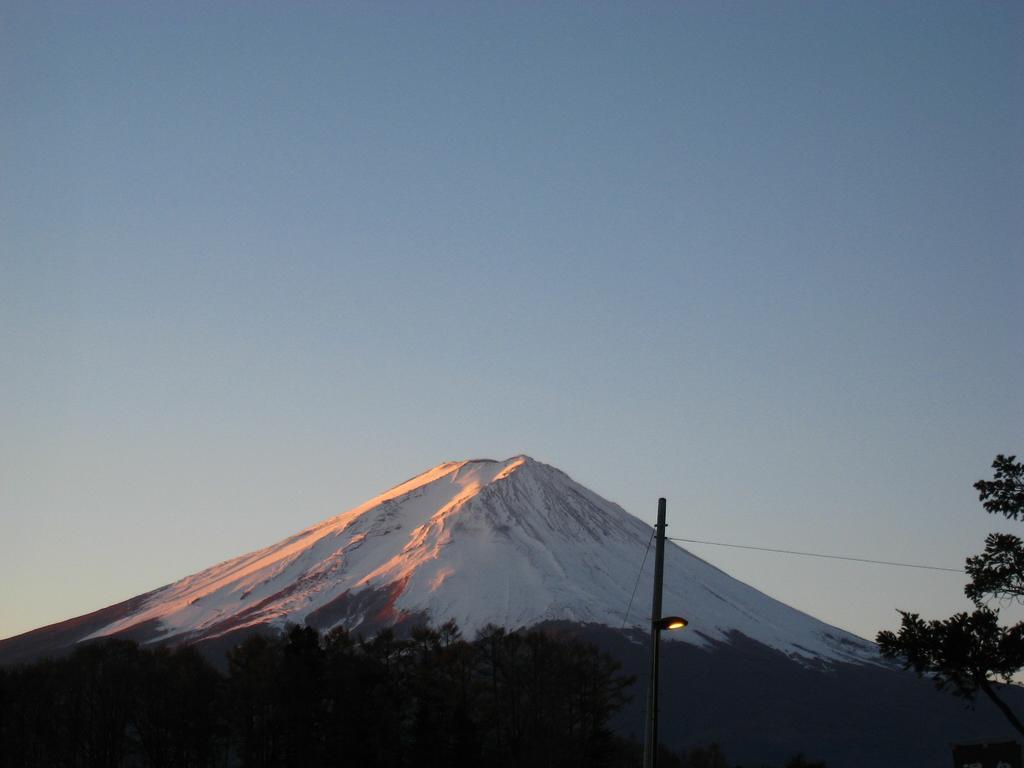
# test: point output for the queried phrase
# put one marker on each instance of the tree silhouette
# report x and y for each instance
(175, 711)
(704, 757)
(998, 572)
(507, 699)
(253, 686)
(799, 761)
(964, 652)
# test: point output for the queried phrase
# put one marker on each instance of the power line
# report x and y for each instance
(636, 583)
(817, 554)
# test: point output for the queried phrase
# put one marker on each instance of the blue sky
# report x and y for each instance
(262, 261)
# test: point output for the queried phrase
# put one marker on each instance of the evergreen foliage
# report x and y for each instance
(964, 652)
(432, 699)
(302, 699)
(799, 761)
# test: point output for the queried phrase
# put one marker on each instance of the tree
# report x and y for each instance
(964, 652)
(253, 684)
(175, 709)
(799, 761)
(704, 757)
(998, 572)
(296, 698)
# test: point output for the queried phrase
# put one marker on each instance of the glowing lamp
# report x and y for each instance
(671, 622)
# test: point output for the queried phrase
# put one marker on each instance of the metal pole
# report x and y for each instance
(651, 740)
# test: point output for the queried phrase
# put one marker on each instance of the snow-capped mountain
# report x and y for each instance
(512, 543)
(518, 543)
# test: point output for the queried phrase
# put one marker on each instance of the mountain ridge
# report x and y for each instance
(518, 543)
(512, 542)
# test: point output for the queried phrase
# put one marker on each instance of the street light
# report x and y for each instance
(672, 622)
(659, 624)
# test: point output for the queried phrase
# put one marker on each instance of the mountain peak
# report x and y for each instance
(512, 542)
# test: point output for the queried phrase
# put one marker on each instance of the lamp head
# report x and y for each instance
(671, 622)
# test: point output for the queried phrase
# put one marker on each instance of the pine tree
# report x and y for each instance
(966, 651)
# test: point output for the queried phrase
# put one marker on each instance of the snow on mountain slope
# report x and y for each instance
(512, 542)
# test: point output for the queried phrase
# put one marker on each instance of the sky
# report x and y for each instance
(260, 262)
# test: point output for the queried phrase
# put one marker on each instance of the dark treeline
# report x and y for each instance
(506, 699)
(305, 699)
